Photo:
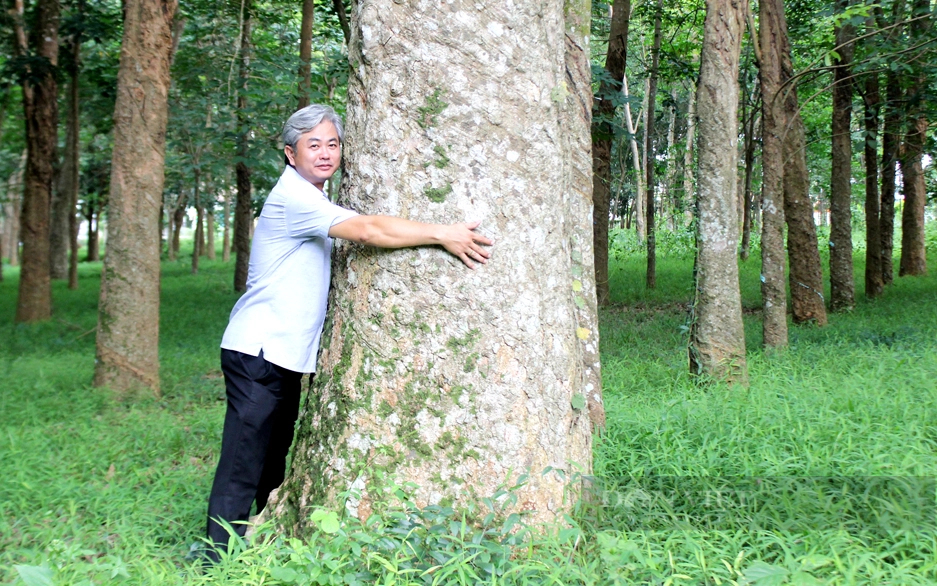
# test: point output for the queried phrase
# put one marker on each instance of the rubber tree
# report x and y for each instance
(717, 337)
(452, 379)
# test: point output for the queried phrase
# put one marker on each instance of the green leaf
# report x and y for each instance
(578, 402)
(764, 574)
(326, 520)
(35, 575)
(286, 575)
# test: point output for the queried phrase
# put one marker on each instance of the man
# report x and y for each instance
(273, 333)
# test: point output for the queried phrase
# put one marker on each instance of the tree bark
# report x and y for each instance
(243, 215)
(94, 248)
(842, 284)
(651, 274)
(805, 274)
(688, 181)
(178, 217)
(40, 107)
(199, 230)
(891, 133)
(602, 135)
(873, 237)
(717, 337)
(209, 231)
(501, 369)
(748, 197)
(128, 317)
(774, 122)
(305, 52)
(913, 243)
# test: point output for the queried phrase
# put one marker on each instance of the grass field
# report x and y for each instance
(94, 491)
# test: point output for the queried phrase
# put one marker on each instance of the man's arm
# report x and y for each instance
(391, 232)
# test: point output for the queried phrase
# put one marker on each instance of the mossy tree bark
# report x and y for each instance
(603, 133)
(717, 338)
(842, 285)
(40, 108)
(772, 28)
(128, 316)
(452, 379)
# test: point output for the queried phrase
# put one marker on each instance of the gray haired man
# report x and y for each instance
(273, 333)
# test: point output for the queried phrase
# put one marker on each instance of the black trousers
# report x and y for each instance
(263, 402)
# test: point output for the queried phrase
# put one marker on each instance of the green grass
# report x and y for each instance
(95, 491)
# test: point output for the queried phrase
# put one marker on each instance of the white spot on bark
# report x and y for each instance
(513, 156)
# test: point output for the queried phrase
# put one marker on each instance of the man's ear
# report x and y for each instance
(290, 155)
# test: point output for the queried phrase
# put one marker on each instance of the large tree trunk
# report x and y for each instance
(501, 369)
(842, 285)
(717, 337)
(305, 52)
(774, 122)
(128, 318)
(873, 237)
(913, 244)
(602, 135)
(40, 106)
(805, 273)
(243, 215)
(651, 274)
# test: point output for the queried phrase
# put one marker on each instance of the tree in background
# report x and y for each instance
(501, 373)
(913, 243)
(650, 208)
(243, 210)
(717, 337)
(603, 132)
(842, 287)
(38, 51)
(128, 318)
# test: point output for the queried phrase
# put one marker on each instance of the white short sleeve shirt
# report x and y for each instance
(283, 309)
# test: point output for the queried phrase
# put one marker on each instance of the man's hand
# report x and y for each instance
(463, 242)
(390, 232)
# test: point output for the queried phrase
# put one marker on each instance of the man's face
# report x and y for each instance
(317, 154)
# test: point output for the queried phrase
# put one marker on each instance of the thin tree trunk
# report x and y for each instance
(305, 52)
(94, 247)
(891, 132)
(842, 284)
(748, 197)
(128, 317)
(339, 7)
(242, 212)
(199, 230)
(717, 337)
(210, 231)
(602, 135)
(873, 237)
(13, 207)
(672, 198)
(688, 181)
(805, 273)
(226, 237)
(913, 243)
(773, 292)
(178, 217)
(70, 170)
(40, 108)
(636, 161)
(485, 399)
(651, 274)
